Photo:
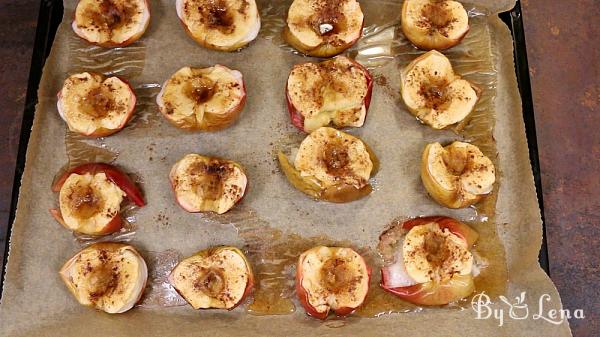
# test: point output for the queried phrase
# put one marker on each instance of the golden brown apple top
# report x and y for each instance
(335, 22)
(334, 158)
(338, 84)
(207, 184)
(111, 23)
(108, 276)
(220, 24)
(111, 14)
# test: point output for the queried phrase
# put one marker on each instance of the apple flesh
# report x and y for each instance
(115, 175)
(218, 277)
(108, 276)
(336, 91)
(435, 287)
(90, 204)
(457, 175)
(225, 25)
(432, 293)
(434, 24)
(456, 227)
(434, 94)
(113, 225)
(206, 184)
(95, 106)
(332, 166)
(90, 196)
(323, 28)
(111, 23)
(331, 278)
(205, 99)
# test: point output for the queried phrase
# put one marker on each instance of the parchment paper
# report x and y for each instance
(36, 303)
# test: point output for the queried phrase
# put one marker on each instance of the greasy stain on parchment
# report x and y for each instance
(126, 62)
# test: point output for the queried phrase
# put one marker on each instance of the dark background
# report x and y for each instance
(563, 43)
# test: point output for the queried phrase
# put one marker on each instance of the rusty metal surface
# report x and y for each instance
(564, 61)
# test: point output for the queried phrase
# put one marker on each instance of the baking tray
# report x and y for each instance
(50, 16)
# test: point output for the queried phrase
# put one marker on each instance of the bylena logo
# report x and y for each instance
(517, 309)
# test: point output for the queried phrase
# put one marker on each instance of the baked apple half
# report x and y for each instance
(90, 198)
(432, 263)
(457, 175)
(434, 24)
(206, 99)
(331, 165)
(323, 28)
(107, 276)
(111, 23)
(206, 184)
(218, 278)
(94, 105)
(331, 278)
(434, 93)
(225, 25)
(334, 92)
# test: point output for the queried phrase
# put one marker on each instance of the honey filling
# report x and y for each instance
(85, 202)
(200, 89)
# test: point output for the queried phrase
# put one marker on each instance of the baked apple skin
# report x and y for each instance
(223, 25)
(434, 24)
(203, 99)
(343, 174)
(297, 117)
(107, 276)
(215, 288)
(343, 270)
(323, 28)
(109, 98)
(437, 291)
(102, 22)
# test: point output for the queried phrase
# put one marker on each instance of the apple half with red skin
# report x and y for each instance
(334, 92)
(435, 94)
(94, 105)
(90, 197)
(111, 23)
(217, 278)
(331, 165)
(205, 99)
(457, 175)
(225, 25)
(331, 278)
(207, 184)
(108, 276)
(323, 28)
(432, 262)
(434, 24)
